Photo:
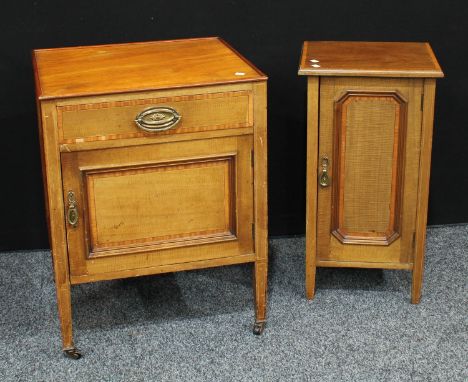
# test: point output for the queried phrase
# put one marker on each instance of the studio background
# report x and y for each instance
(270, 34)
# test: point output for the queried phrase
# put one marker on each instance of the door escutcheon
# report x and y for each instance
(72, 212)
(324, 179)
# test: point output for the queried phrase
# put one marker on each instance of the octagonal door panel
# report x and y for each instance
(368, 165)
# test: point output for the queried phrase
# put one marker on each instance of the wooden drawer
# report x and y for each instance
(102, 119)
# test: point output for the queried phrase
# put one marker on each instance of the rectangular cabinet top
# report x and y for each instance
(369, 59)
(119, 68)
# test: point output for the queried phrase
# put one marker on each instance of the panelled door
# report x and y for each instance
(158, 204)
(368, 162)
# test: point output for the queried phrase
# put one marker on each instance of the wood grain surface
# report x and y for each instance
(260, 190)
(329, 202)
(370, 132)
(157, 204)
(313, 96)
(423, 188)
(118, 68)
(187, 198)
(380, 59)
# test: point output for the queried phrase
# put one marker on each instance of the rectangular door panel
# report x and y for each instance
(174, 202)
(159, 204)
(369, 137)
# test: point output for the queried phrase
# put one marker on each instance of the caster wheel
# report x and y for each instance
(258, 327)
(72, 353)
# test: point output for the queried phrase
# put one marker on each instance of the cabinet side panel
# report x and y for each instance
(423, 187)
(43, 168)
(260, 170)
(311, 192)
(55, 210)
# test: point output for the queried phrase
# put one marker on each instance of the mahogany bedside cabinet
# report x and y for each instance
(369, 136)
(155, 160)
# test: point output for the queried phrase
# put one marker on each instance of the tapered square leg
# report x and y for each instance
(418, 268)
(65, 316)
(310, 274)
(416, 288)
(260, 290)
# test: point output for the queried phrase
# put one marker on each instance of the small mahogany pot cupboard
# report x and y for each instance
(369, 136)
(154, 160)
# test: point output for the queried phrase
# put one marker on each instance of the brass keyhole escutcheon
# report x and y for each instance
(324, 178)
(72, 212)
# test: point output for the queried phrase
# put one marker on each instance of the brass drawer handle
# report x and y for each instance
(72, 212)
(157, 119)
(324, 179)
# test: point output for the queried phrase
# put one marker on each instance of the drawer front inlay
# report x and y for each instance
(116, 119)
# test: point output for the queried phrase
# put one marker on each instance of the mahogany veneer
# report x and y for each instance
(154, 160)
(369, 136)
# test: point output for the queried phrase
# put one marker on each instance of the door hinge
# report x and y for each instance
(413, 243)
(253, 231)
(252, 158)
(422, 101)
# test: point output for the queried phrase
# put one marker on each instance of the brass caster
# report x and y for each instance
(258, 327)
(72, 353)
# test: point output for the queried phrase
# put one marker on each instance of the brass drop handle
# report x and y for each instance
(157, 119)
(324, 179)
(72, 212)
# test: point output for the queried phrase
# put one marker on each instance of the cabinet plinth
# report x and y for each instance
(369, 136)
(154, 160)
